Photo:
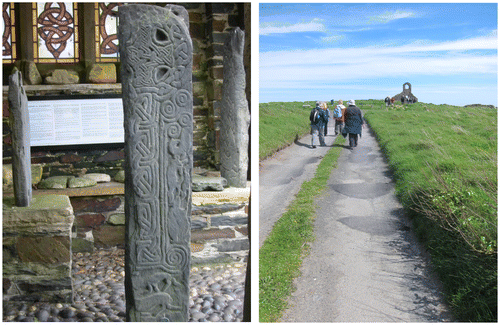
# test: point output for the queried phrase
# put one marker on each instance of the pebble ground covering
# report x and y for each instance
(216, 293)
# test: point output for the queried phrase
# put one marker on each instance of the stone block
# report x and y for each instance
(98, 177)
(37, 249)
(228, 221)
(70, 158)
(62, 77)
(211, 234)
(203, 183)
(89, 221)
(46, 215)
(108, 236)
(32, 76)
(242, 230)
(100, 73)
(77, 182)
(47, 249)
(95, 205)
(233, 245)
(7, 175)
(111, 156)
(120, 176)
(116, 219)
(54, 182)
(198, 222)
(82, 245)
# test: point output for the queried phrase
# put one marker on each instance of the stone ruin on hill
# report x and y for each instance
(408, 97)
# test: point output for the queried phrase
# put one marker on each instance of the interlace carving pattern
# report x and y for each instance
(157, 65)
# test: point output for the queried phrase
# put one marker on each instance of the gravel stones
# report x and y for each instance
(216, 293)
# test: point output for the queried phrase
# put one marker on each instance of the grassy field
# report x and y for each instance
(280, 124)
(444, 161)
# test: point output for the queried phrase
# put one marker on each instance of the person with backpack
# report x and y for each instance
(317, 118)
(338, 115)
(353, 123)
(327, 116)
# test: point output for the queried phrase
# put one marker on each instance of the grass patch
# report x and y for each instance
(280, 124)
(444, 160)
(280, 257)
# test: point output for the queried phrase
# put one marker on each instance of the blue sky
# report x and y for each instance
(447, 51)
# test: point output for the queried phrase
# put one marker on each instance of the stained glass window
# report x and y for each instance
(9, 48)
(55, 32)
(106, 31)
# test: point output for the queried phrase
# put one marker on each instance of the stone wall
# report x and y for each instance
(209, 26)
(217, 231)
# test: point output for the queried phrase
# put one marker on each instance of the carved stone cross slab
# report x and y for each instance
(235, 118)
(156, 56)
(21, 147)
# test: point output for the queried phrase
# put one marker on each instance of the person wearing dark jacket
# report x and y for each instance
(317, 125)
(353, 123)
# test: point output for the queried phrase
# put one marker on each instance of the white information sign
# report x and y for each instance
(76, 121)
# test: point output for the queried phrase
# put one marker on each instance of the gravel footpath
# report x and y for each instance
(216, 293)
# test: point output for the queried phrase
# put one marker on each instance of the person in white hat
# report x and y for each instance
(353, 123)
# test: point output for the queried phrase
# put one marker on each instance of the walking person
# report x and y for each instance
(327, 116)
(339, 115)
(317, 123)
(353, 123)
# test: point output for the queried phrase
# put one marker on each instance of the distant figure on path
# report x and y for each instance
(353, 123)
(387, 101)
(402, 100)
(327, 115)
(339, 121)
(393, 100)
(317, 123)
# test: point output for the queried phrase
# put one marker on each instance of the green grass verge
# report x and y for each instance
(444, 160)
(280, 257)
(280, 124)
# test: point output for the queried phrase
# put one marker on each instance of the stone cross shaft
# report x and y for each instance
(235, 117)
(156, 56)
(21, 147)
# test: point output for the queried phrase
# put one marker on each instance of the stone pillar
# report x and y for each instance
(156, 56)
(21, 150)
(235, 117)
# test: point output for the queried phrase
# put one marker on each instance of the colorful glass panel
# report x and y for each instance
(55, 27)
(106, 34)
(9, 46)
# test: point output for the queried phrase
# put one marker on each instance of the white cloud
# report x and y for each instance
(314, 25)
(311, 67)
(390, 16)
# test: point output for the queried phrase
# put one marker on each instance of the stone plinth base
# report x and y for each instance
(37, 249)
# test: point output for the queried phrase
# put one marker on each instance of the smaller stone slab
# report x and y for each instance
(100, 73)
(120, 176)
(78, 182)
(62, 77)
(117, 219)
(32, 75)
(54, 182)
(203, 183)
(98, 177)
(36, 174)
